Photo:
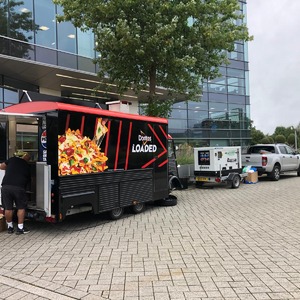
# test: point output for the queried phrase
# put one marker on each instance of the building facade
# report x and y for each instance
(41, 59)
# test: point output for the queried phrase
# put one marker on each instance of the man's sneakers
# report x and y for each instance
(22, 231)
(10, 230)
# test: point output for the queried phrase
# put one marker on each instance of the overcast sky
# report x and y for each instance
(274, 63)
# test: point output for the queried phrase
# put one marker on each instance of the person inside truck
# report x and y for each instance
(13, 190)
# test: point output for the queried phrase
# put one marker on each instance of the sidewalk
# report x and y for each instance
(216, 244)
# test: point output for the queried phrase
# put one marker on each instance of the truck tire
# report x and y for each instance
(138, 208)
(235, 183)
(298, 172)
(275, 174)
(116, 213)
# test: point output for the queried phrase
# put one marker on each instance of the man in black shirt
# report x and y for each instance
(13, 191)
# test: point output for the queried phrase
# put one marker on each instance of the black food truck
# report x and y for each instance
(88, 159)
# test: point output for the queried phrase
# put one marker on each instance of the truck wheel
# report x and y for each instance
(275, 174)
(235, 182)
(298, 172)
(137, 208)
(116, 213)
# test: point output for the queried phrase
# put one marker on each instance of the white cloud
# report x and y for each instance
(274, 63)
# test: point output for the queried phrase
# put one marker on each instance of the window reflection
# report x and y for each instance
(11, 96)
(22, 20)
(45, 18)
(66, 35)
(86, 43)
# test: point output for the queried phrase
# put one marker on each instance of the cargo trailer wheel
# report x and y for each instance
(199, 184)
(137, 208)
(235, 182)
(116, 213)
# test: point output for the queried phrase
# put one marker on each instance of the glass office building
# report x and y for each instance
(50, 59)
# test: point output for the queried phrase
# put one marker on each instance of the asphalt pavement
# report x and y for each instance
(217, 243)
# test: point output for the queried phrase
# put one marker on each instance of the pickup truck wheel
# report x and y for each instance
(235, 182)
(116, 213)
(275, 174)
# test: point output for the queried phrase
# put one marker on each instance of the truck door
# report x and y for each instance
(289, 159)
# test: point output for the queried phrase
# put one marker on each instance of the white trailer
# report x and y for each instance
(218, 164)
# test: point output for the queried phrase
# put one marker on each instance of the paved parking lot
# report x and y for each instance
(215, 244)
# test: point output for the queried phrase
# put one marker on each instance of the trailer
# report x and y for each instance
(89, 159)
(218, 165)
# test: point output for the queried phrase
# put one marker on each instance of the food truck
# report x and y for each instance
(88, 159)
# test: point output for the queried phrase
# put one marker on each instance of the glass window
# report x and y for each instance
(202, 105)
(11, 96)
(86, 64)
(46, 20)
(67, 60)
(177, 123)
(66, 35)
(236, 107)
(181, 105)
(216, 88)
(217, 97)
(46, 55)
(236, 99)
(21, 20)
(196, 117)
(235, 73)
(219, 80)
(238, 47)
(215, 106)
(86, 43)
(179, 113)
(236, 81)
(236, 90)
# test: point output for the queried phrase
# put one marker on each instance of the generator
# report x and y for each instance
(218, 164)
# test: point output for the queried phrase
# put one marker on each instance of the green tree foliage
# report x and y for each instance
(174, 44)
(18, 25)
(281, 130)
(280, 138)
(266, 140)
(291, 139)
(256, 136)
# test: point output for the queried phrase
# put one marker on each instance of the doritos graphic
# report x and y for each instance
(100, 132)
(79, 155)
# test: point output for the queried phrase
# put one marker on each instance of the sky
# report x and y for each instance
(274, 63)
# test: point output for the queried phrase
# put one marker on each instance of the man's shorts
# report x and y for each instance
(11, 195)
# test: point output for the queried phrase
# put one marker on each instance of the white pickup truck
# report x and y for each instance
(272, 159)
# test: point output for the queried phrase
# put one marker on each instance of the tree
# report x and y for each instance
(256, 136)
(281, 130)
(266, 140)
(291, 139)
(144, 44)
(280, 138)
(17, 25)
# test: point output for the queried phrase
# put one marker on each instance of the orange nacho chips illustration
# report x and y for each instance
(79, 155)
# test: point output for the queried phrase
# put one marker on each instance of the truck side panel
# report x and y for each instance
(106, 191)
